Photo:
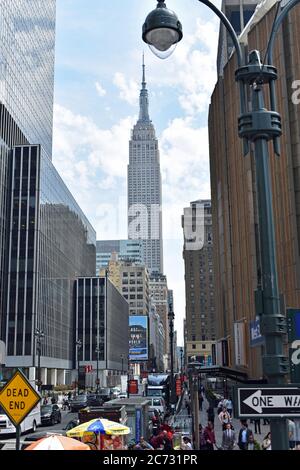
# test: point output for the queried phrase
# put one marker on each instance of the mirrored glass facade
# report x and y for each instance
(27, 48)
(50, 243)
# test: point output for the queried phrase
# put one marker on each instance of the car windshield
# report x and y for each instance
(46, 408)
(80, 398)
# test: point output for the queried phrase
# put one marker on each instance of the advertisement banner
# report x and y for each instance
(239, 344)
(256, 338)
(138, 338)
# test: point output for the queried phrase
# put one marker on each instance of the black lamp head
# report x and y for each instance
(162, 30)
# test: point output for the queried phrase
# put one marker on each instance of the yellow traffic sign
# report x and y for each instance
(18, 397)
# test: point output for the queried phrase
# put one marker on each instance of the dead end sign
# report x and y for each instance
(18, 398)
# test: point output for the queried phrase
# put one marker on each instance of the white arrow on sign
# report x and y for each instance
(257, 401)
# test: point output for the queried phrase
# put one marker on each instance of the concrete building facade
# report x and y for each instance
(199, 282)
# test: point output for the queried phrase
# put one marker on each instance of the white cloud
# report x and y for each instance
(191, 69)
(128, 89)
(100, 90)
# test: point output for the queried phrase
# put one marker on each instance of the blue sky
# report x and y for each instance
(97, 82)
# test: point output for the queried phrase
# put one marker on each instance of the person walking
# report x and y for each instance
(229, 406)
(244, 434)
(211, 414)
(224, 418)
(257, 429)
(209, 436)
(201, 399)
(267, 444)
(252, 443)
(202, 441)
(292, 434)
(186, 444)
(228, 438)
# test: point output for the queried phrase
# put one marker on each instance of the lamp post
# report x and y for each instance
(97, 351)
(78, 346)
(39, 334)
(171, 317)
(162, 31)
(181, 361)
(122, 359)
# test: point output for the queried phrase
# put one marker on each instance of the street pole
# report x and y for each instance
(171, 333)
(39, 334)
(78, 346)
(181, 361)
(97, 377)
(161, 31)
(196, 412)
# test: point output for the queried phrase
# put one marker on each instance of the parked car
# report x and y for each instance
(50, 414)
(82, 401)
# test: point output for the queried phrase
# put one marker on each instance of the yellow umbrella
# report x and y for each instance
(99, 426)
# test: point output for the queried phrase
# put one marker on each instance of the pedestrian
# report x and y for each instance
(186, 444)
(224, 418)
(211, 414)
(143, 445)
(291, 433)
(200, 401)
(229, 406)
(188, 407)
(297, 432)
(267, 445)
(167, 442)
(257, 426)
(202, 441)
(209, 436)
(228, 438)
(252, 443)
(220, 406)
(244, 434)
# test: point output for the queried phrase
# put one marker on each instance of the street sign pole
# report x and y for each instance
(18, 435)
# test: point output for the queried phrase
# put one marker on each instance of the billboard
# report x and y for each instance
(138, 338)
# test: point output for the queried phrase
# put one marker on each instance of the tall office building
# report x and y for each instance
(126, 250)
(234, 200)
(51, 243)
(27, 46)
(144, 186)
(199, 283)
(159, 298)
(239, 13)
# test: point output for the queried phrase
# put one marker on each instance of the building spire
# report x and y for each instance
(144, 102)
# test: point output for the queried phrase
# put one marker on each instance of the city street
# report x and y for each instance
(8, 442)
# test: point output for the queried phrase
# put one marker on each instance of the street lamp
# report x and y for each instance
(78, 346)
(122, 359)
(258, 125)
(39, 334)
(171, 317)
(97, 351)
(181, 361)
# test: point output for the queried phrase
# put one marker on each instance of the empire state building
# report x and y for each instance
(144, 186)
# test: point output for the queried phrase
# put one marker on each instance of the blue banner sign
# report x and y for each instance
(256, 338)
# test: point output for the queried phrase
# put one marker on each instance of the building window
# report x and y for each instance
(203, 346)
(193, 346)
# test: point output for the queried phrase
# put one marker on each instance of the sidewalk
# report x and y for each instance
(236, 424)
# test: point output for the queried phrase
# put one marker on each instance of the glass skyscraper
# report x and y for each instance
(50, 243)
(127, 250)
(27, 46)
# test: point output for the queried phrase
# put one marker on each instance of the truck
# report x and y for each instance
(30, 423)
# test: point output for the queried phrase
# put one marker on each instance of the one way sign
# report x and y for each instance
(268, 401)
